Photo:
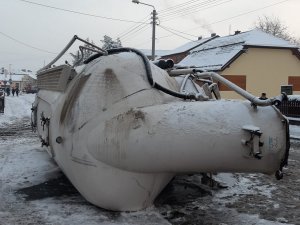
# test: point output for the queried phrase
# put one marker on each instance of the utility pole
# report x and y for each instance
(154, 17)
(153, 32)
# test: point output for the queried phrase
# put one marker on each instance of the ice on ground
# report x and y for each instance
(23, 164)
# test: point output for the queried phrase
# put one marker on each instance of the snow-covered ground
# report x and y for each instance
(34, 191)
(17, 108)
(295, 131)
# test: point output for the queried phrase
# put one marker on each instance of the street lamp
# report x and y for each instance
(154, 14)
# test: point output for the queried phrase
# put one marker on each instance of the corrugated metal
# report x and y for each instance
(55, 79)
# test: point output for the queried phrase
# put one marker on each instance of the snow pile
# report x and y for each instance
(26, 156)
(294, 97)
(295, 131)
(16, 108)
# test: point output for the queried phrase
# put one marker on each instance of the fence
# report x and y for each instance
(290, 108)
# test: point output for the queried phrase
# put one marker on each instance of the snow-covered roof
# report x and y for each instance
(32, 75)
(188, 46)
(216, 53)
(183, 48)
(212, 58)
(15, 77)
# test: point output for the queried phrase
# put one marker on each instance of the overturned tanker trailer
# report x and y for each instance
(121, 128)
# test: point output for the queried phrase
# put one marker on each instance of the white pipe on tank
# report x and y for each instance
(253, 99)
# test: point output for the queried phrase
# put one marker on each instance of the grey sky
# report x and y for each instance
(50, 29)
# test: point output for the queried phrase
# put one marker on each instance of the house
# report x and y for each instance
(21, 81)
(4, 80)
(254, 60)
(181, 52)
(29, 82)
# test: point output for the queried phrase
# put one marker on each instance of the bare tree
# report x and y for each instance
(296, 41)
(87, 51)
(109, 43)
(274, 26)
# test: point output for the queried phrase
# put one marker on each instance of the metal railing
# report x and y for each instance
(290, 108)
(217, 77)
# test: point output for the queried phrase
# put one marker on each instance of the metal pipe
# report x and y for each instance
(81, 58)
(75, 37)
(88, 43)
(177, 72)
(205, 80)
(81, 48)
(184, 83)
(253, 99)
(60, 54)
(94, 50)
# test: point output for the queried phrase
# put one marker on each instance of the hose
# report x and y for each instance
(190, 96)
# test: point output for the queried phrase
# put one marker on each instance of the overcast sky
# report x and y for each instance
(44, 31)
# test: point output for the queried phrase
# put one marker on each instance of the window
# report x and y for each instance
(295, 81)
(239, 80)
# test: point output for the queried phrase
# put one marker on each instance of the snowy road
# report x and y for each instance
(34, 191)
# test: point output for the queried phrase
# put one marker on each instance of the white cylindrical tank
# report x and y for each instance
(190, 137)
(120, 140)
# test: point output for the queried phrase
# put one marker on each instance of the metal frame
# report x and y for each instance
(75, 37)
(200, 74)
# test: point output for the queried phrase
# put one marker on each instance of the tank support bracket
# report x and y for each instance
(254, 141)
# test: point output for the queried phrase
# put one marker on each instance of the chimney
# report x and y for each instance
(237, 32)
(199, 38)
(213, 34)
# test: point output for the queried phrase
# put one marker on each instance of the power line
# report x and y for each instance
(81, 13)
(142, 29)
(25, 44)
(245, 13)
(232, 17)
(133, 27)
(175, 33)
(177, 6)
(188, 7)
(193, 10)
(142, 43)
(134, 30)
(179, 31)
